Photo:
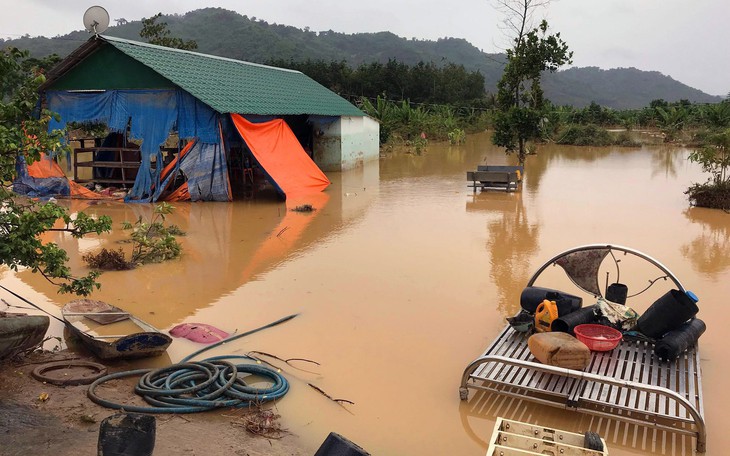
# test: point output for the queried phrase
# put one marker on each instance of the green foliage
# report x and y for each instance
(21, 224)
(422, 83)
(594, 114)
(513, 127)
(520, 100)
(717, 115)
(585, 135)
(383, 112)
(87, 129)
(158, 33)
(24, 130)
(153, 242)
(594, 135)
(419, 143)
(457, 136)
(624, 139)
(715, 157)
(671, 121)
(404, 121)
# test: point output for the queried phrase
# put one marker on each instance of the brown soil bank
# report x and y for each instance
(40, 418)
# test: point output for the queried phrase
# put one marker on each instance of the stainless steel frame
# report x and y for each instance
(627, 384)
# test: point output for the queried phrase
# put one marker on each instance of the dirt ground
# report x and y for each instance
(41, 418)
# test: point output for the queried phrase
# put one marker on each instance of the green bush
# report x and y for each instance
(624, 139)
(585, 135)
(715, 196)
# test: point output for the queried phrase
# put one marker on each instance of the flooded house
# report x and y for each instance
(181, 125)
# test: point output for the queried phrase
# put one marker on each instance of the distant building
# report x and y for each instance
(147, 92)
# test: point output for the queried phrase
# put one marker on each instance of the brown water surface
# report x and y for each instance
(403, 275)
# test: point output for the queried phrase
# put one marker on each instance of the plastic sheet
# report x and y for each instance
(150, 115)
(43, 178)
(279, 153)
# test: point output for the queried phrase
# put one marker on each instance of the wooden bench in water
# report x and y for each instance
(490, 177)
(627, 384)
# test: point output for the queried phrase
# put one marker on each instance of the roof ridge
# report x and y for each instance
(199, 54)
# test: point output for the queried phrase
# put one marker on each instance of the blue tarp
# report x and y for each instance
(25, 184)
(206, 171)
(150, 115)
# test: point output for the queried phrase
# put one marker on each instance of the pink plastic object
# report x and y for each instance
(199, 332)
(598, 337)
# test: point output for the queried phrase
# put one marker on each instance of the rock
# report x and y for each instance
(559, 349)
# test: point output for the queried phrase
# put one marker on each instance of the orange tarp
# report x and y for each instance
(47, 167)
(278, 151)
(181, 193)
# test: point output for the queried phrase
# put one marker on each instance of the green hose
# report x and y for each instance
(198, 386)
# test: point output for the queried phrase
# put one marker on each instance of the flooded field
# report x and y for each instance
(402, 275)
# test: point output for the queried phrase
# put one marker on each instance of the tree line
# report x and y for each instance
(423, 83)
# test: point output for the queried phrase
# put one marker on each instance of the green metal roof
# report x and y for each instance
(228, 85)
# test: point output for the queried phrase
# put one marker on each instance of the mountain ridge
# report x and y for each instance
(228, 34)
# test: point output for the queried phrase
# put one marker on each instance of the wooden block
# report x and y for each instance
(559, 349)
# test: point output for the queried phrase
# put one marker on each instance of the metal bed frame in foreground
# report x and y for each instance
(628, 384)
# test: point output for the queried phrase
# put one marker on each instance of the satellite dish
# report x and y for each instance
(96, 20)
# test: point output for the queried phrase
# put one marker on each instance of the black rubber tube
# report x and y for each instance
(677, 341)
(566, 323)
(532, 297)
(667, 313)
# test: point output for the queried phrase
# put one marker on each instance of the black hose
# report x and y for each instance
(566, 323)
(677, 341)
(198, 386)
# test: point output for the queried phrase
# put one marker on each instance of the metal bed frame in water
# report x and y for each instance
(628, 384)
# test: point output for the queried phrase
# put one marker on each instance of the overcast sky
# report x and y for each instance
(688, 40)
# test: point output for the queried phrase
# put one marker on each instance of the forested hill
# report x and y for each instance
(226, 33)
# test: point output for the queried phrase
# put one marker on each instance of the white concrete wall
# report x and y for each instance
(346, 143)
(327, 151)
(360, 141)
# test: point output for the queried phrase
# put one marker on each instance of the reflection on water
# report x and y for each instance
(709, 252)
(666, 161)
(225, 246)
(511, 242)
(403, 275)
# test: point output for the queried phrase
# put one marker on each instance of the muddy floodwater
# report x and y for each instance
(403, 275)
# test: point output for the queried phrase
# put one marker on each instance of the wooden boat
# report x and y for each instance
(20, 332)
(111, 333)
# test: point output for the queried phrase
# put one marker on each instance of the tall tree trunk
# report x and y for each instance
(521, 154)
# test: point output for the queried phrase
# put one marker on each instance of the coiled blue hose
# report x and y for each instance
(198, 386)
